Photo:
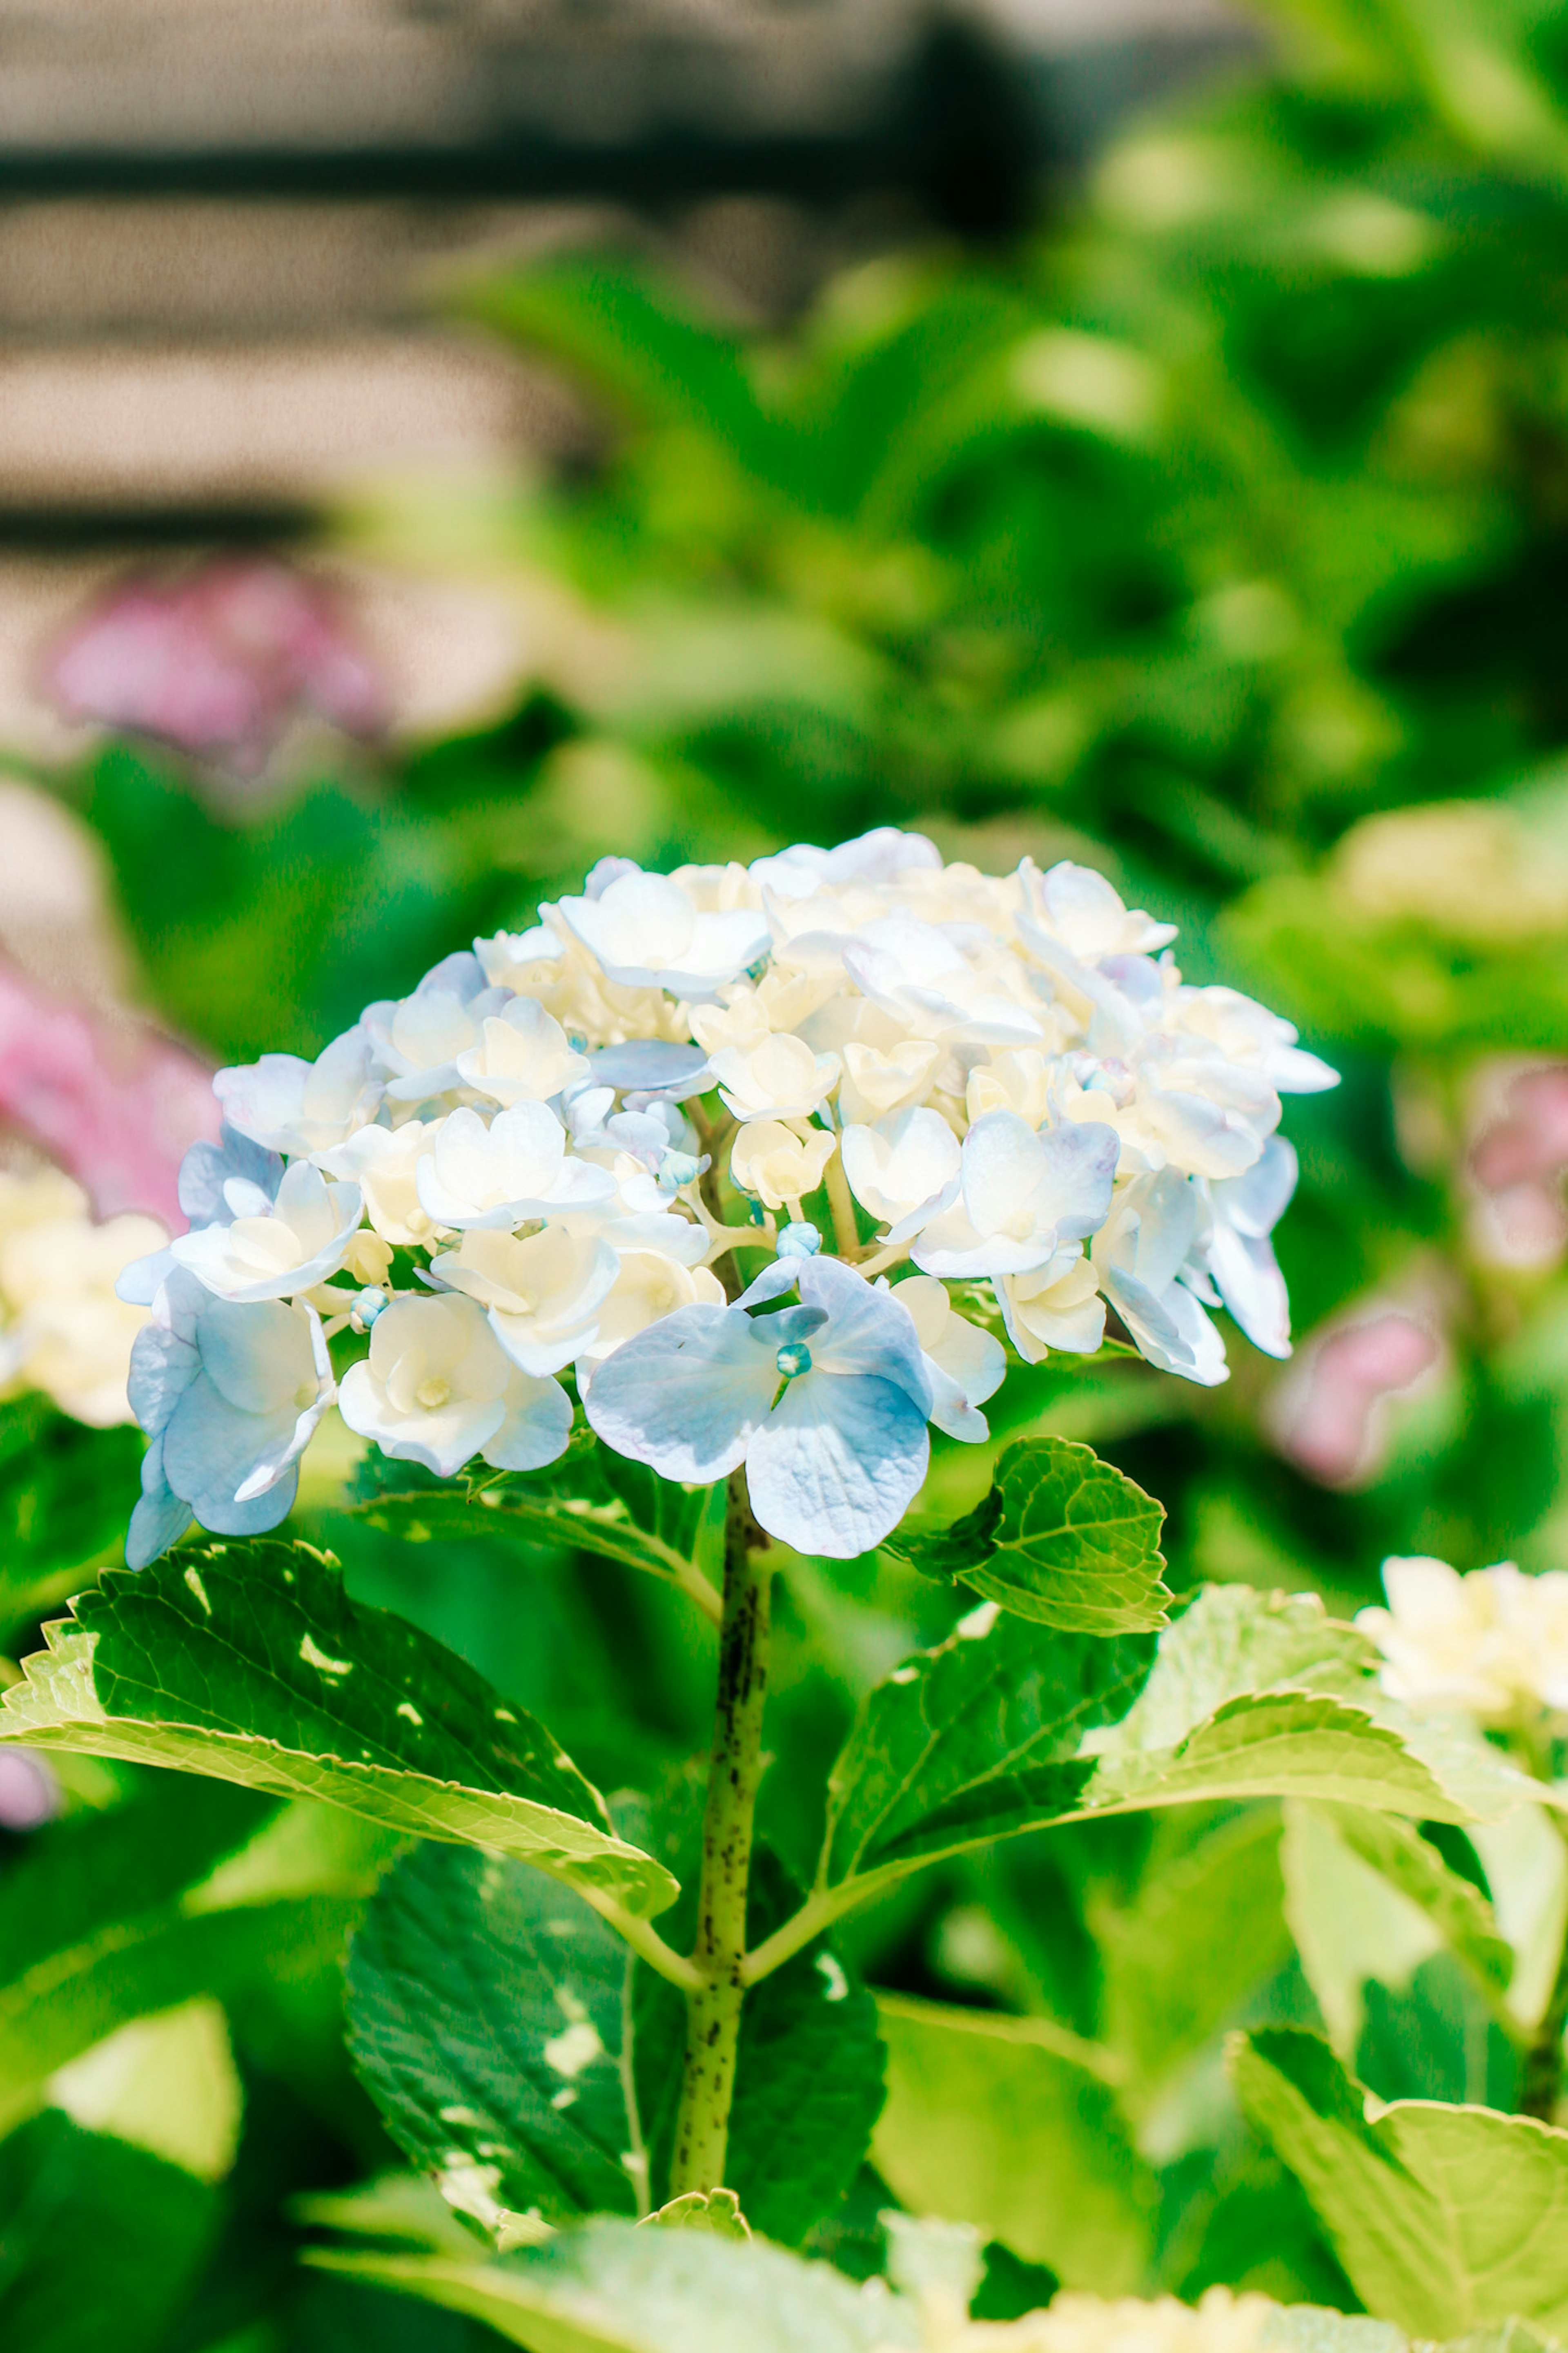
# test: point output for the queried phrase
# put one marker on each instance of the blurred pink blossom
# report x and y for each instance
(216, 661)
(1517, 1167)
(1330, 1414)
(112, 1102)
(29, 1793)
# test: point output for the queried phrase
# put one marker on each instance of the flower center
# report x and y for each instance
(433, 1394)
(792, 1359)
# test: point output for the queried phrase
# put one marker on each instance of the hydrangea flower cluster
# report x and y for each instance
(944, 1099)
(1492, 1645)
(62, 1329)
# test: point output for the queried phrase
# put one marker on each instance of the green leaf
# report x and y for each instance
(1181, 1959)
(1011, 2123)
(808, 2069)
(1062, 1537)
(977, 1739)
(107, 1917)
(66, 1492)
(1007, 1727)
(98, 2242)
(1257, 1695)
(703, 2210)
(1446, 2218)
(250, 1663)
(592, 1499)
(488, 2014)
(611, 2288)
(638, 341)
(1369, 1898)
(493, 2021)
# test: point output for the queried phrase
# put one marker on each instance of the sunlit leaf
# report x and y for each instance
(250, 1663)
(1447, 2219)
(612, 2287)
(1008, 1726)
(1062, 1537)
(1013, 2124)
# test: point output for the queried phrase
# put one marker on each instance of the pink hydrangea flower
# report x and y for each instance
(216, 661)
(114, 1103)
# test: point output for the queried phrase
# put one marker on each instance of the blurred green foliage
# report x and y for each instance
(1217, 535)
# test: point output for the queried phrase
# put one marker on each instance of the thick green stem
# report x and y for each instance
(713, 2010)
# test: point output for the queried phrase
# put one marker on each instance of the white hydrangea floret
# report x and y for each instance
(1019, 1196)
(516, 1167)
(964, 1364)
(645, 932)
(438, 1388)
(542, 1292)
(778, 1164)
(290, 1105)
(778, 1078)
(903, 1169)
(1145, 1259)
(383, 1162)
(523, 1056)
(1492, 1645)
(303, 1237)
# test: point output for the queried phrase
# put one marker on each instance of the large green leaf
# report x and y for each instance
(1013, 2124)
(1062, 1537)
(1447, 2219)
(190, 1888)
(488, 2016)
(250, 1663)
(639, 342)
(1369, 1898)
(973, 1740)
(592, 1499)
(1008, 1726)
(1199, 1936)
(613, 2287)
(66, 1492)
(99, 2240)
(494, 2021)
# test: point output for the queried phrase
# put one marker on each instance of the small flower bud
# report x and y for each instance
(792, 1359)
(799, 1242)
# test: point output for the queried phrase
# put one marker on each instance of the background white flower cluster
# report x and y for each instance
(62, 1329)
(915, 1075)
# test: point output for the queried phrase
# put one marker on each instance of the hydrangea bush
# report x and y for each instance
(671, 1228)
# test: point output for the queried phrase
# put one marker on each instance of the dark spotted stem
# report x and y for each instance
(713, 2010)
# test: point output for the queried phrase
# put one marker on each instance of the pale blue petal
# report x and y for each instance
(211, 1451)
(256, 1354)
(159, 1518)
(950, 1410)
(537, 1429)
(774, 1280)
(254, 1518)
(207, 1167)
(650, 1065)
(687, 1396)
(867, 1331)
(837, 1465)
(140, 1283)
